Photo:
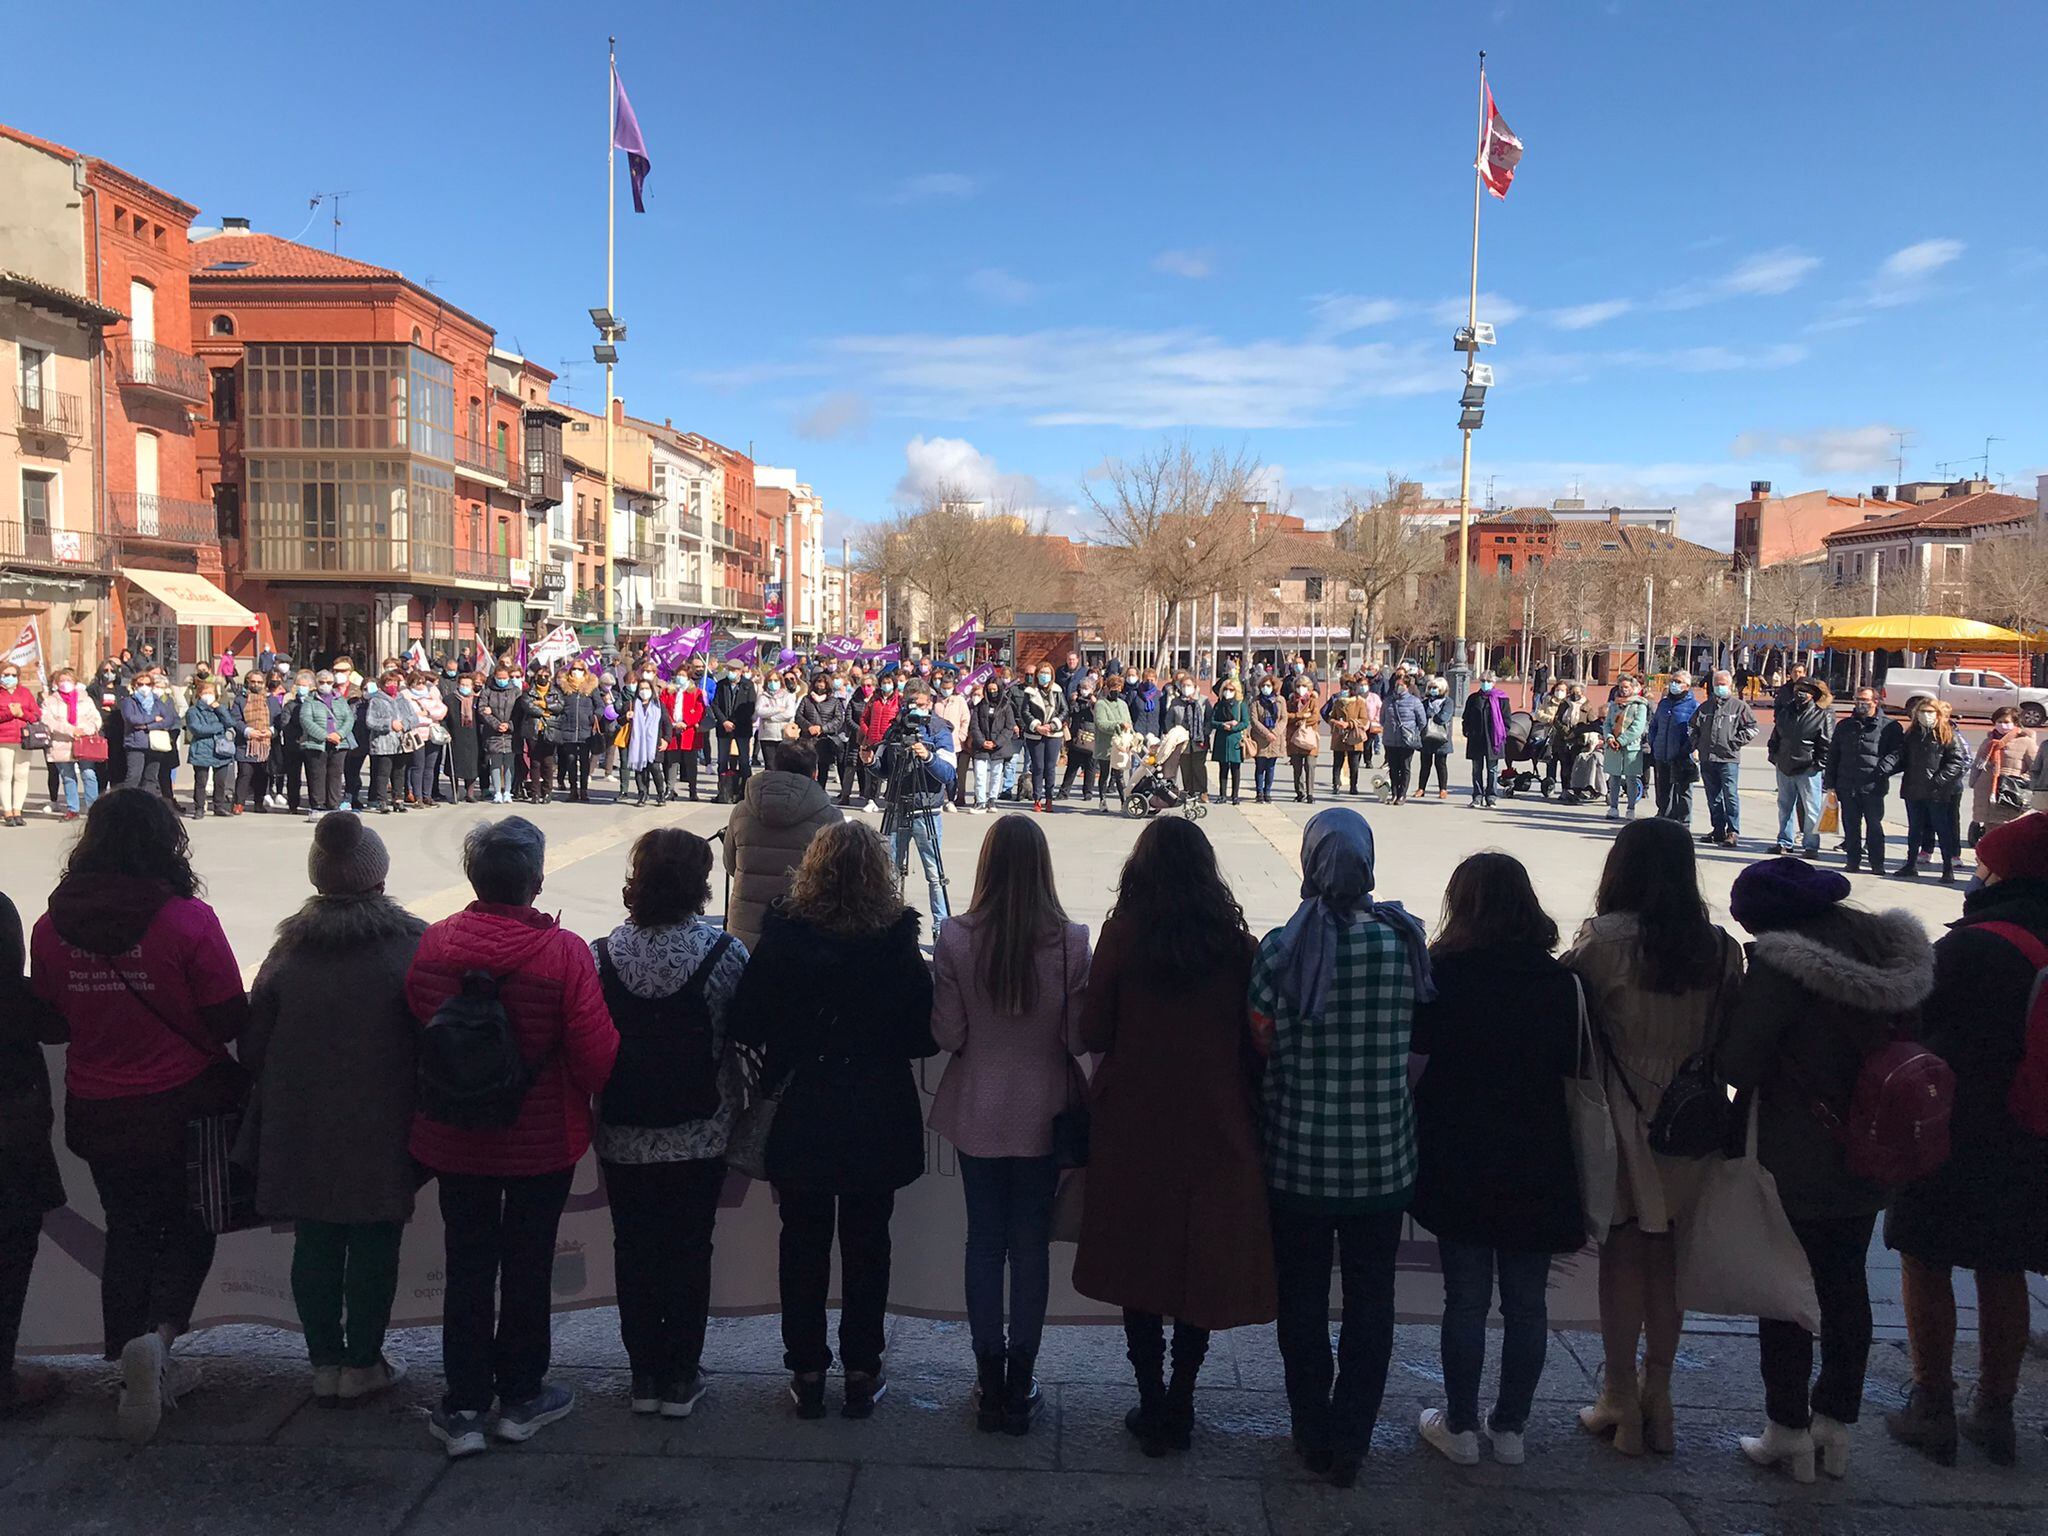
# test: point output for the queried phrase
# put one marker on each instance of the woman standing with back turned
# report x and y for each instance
(1659, 978)
(1175, 1220)
(1010, 972)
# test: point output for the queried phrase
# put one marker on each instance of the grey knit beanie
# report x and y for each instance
(347, 858)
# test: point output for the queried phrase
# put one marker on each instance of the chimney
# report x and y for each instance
(234, 226)
(1759, 490)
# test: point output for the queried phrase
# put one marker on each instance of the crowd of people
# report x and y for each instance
(1218, 1120)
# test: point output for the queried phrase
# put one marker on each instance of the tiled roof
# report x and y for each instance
(1985, 509)
(45, 145)
(61, 300)
(269, 256)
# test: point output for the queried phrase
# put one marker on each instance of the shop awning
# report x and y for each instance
(192, 598)
(1913, 631)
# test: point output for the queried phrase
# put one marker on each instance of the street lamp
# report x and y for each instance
(610, 332)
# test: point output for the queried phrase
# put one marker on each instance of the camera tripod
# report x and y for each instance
(897, 816)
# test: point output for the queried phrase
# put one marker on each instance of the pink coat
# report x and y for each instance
(1009, 1073)
(548, 982)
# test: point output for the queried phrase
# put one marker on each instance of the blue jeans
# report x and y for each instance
(988, 774)
(1485, 770)
(922, 827)
(1799, 810)
(1619, 784)
(1724, 809)
(1468, 1293)
(81, 781)
(1009, 1221)
(1012, 766)
(1262, 776)
(1932, 821)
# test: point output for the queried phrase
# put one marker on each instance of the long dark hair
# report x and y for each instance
(1490, 902)
(1020, 911)
(1652, 874)
(1174, 896)
(133, 832)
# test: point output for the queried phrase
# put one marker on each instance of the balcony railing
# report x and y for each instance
(481, 460)
(57, 548)
(170, 519)
(477, 565)
(288, 554)
(50, 410)
(156, 369)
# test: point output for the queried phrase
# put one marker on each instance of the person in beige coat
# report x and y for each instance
(2009, 750)
(1659, 979)
(765, 839)
(69, 714)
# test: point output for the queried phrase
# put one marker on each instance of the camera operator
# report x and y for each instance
(918, 759)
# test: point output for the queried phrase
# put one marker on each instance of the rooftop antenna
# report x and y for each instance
(565, 369)
(1986, 473)
(1489, 493)
(333, 200)
(1899, 464)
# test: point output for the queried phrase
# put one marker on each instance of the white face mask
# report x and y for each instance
(1926, 717)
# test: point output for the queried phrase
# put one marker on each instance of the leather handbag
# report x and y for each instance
(89, 749)
(1595, 1152)
(1070, 1127)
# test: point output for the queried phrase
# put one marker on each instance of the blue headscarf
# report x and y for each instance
(1336, 880)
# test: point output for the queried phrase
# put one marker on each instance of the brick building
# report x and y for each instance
(739, 545)
(362, 462)
(1771, 529)
(1505, 543)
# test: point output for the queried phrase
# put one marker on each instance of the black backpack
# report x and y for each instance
(666, 1073)
(471, 1074)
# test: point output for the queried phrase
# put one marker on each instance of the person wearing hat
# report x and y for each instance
(1827, 985)
(1986, 1208)
(333, 1050)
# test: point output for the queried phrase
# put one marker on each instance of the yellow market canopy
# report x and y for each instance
(1915, 632)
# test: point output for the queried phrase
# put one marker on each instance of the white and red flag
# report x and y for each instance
(1499, 150)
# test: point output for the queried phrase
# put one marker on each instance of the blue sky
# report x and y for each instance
(892, 242)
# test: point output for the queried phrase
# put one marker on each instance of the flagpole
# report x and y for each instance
(1461, 672)
(611, 202)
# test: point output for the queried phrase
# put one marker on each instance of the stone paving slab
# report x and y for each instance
(901, 1502)
(518, 1494)
(1317, 1510)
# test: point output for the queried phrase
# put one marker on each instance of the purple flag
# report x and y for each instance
(522, 653)
(746, 655)
(626, 136)
(977, 677)
(961, 641)
(839, 647)
(696, 638)
(884, 653)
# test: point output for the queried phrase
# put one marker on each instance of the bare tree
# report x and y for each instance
(962, 558)
(2008, 581)
(1380, 550)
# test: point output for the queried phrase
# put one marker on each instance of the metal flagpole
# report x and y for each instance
(1461, 669)
(611, 202)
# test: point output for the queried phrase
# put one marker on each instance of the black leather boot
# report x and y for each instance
(989, 1400)
(1021, 1397)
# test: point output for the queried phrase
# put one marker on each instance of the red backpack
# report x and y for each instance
(1897, 1127)
(2027, 1101)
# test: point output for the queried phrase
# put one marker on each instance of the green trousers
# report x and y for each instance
(343, 1280)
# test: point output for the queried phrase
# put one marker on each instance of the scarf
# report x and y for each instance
(1336, 879)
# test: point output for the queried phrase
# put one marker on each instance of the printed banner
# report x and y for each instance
(27, 647)
(883, 653)
(560, 641)
(839, 647)
(251, 1277)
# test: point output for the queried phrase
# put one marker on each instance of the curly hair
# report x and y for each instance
(668, 878)
(845, 883)
(133, 832)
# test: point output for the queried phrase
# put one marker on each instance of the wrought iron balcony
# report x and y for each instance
(149, 367)
(52, 411)
(167, 519)
(287, 553)
(482, 461)
(51, 548)
(481, 566)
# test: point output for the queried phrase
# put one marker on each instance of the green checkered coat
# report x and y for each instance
(1339, 1125)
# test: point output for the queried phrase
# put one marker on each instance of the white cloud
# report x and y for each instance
(1827, 451)
(1580, 317)
(1493, 310)
(842, 413)
(1902, 277)
(1000, 286)
(1191, 264)
(935, 184)
(931, 462)
(1761, 275)
(1339, 314)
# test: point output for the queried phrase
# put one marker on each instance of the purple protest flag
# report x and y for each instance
(839, 647)
(746, 655)
(884, 653)
(977, 677)
(696, 638)
(626, 136)
(963, 638)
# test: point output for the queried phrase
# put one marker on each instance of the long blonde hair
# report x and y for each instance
(1019, 908)
(845, 883)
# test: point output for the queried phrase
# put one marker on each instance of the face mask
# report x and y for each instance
(9, 680)
(1044, 678)
(391, 689)
(819, 690)
(576, 676)
(465, 689)
(1439, 689)
(1865, 711)
(1486, 687)
(1266, 691)
(646, 693)
(1721, 690)
(2000, 729)
(1187, 690)
(945, 690)
(501, 682)
(1674, 688)
(207, 697)
(447, 671)
(341, 678)
(1358, 690)
(774, 685)
(919, 712)
(888, 687)
(842, 692)
(326, 689)
(732, 674)
(1926, 717)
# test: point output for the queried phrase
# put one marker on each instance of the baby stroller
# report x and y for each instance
(1526, 751)
(1157, 788)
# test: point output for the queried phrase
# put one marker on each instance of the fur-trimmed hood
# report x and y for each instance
(349, 922)
(1878, 962)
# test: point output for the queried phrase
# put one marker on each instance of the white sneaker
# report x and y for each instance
(362, 1382)
(1462, 1449)
(1508, 1449)
(141, 1409)
(871, 806)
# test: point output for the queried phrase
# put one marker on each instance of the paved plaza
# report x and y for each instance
(251, 1453)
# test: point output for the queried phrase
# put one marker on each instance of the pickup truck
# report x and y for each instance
(1970, 693)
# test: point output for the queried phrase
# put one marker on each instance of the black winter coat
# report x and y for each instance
(1864, 755)
(851, 1121)
(465, 742)
(828, 714)
(1491, 1130)
(573, 713)
(1987, 1208)
(993, 722)
(495, 707)
(735, 702)
(1933, 770)
(1800, 737)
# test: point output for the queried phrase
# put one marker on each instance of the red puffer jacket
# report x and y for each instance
(548, 983)
(685, 708)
